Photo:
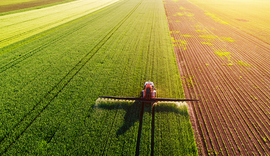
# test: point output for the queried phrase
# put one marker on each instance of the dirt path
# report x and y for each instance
(229, 71)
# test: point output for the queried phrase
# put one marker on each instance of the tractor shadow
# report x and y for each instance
(134, 113)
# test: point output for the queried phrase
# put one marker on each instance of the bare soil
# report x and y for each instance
(228, 71)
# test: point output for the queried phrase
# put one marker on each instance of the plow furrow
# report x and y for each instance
(228, 71)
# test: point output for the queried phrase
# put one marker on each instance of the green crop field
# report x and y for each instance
(16, 27)
(52, 75)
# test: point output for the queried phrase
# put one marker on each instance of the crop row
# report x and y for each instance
(228, 116)
(47, 78)
(241, 17)
(19, 26)
(52, 82)
(63, 59)
(172, 121)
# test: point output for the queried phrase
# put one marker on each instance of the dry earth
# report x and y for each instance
(227, 69)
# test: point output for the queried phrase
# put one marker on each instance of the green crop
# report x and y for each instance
(50, 83)
(18, 26)
(172, 122)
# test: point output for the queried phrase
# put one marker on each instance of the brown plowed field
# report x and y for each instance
(228, 70)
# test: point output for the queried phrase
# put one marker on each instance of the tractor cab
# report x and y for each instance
(148, 95)
(149, 91)
(149, 83)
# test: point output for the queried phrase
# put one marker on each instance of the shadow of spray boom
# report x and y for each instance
(134, 110)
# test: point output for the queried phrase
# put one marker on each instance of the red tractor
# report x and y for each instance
(148, 95)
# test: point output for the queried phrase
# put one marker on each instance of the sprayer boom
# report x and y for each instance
(148, 95)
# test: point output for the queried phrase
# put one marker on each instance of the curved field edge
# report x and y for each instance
(48, 95)
(10, 57)
(15, 27)
(40, 6)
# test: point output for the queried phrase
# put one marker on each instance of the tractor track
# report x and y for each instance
(46, 44)
(23, 124)
(35, 51)
(96, 67)
(68, 19)
(108, 142)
